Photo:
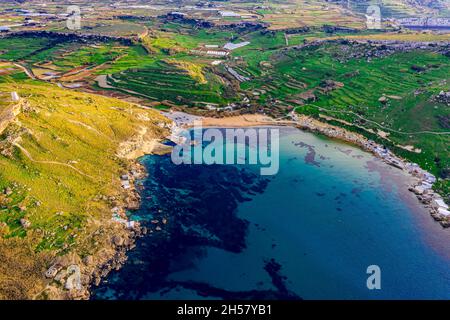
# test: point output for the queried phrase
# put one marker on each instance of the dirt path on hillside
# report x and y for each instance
(28, 155)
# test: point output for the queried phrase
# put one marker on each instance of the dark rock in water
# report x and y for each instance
(320, 194)
(206, 290)
(273, 268)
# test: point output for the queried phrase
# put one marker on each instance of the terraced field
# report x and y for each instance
(178, 85)
(52, 55)
(166, 70)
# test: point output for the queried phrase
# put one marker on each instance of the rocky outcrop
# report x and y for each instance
(71, 277)
(443, 97)
(65, 36)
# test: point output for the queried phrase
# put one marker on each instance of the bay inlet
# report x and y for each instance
(308, 232)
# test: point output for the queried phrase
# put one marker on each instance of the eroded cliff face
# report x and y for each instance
(144, 142)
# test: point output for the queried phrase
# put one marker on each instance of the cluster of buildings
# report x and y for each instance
(32, 19)
(425, 193)
(125, 181)
(425, 22)
(117, 217)
(118, 212)
(232, 14)
(443, 97)
(27, 17)
(423, 189)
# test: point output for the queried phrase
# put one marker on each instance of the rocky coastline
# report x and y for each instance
(72, 276)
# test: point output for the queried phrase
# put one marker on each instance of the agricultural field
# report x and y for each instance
(10, 72)
(13, 48)
(56, 59)
(179, 84)
(163, 60)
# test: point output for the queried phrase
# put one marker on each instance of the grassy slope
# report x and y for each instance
(62, 128)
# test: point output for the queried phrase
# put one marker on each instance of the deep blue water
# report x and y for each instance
(308, 232)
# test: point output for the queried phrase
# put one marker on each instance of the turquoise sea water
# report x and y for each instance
(308, 232)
